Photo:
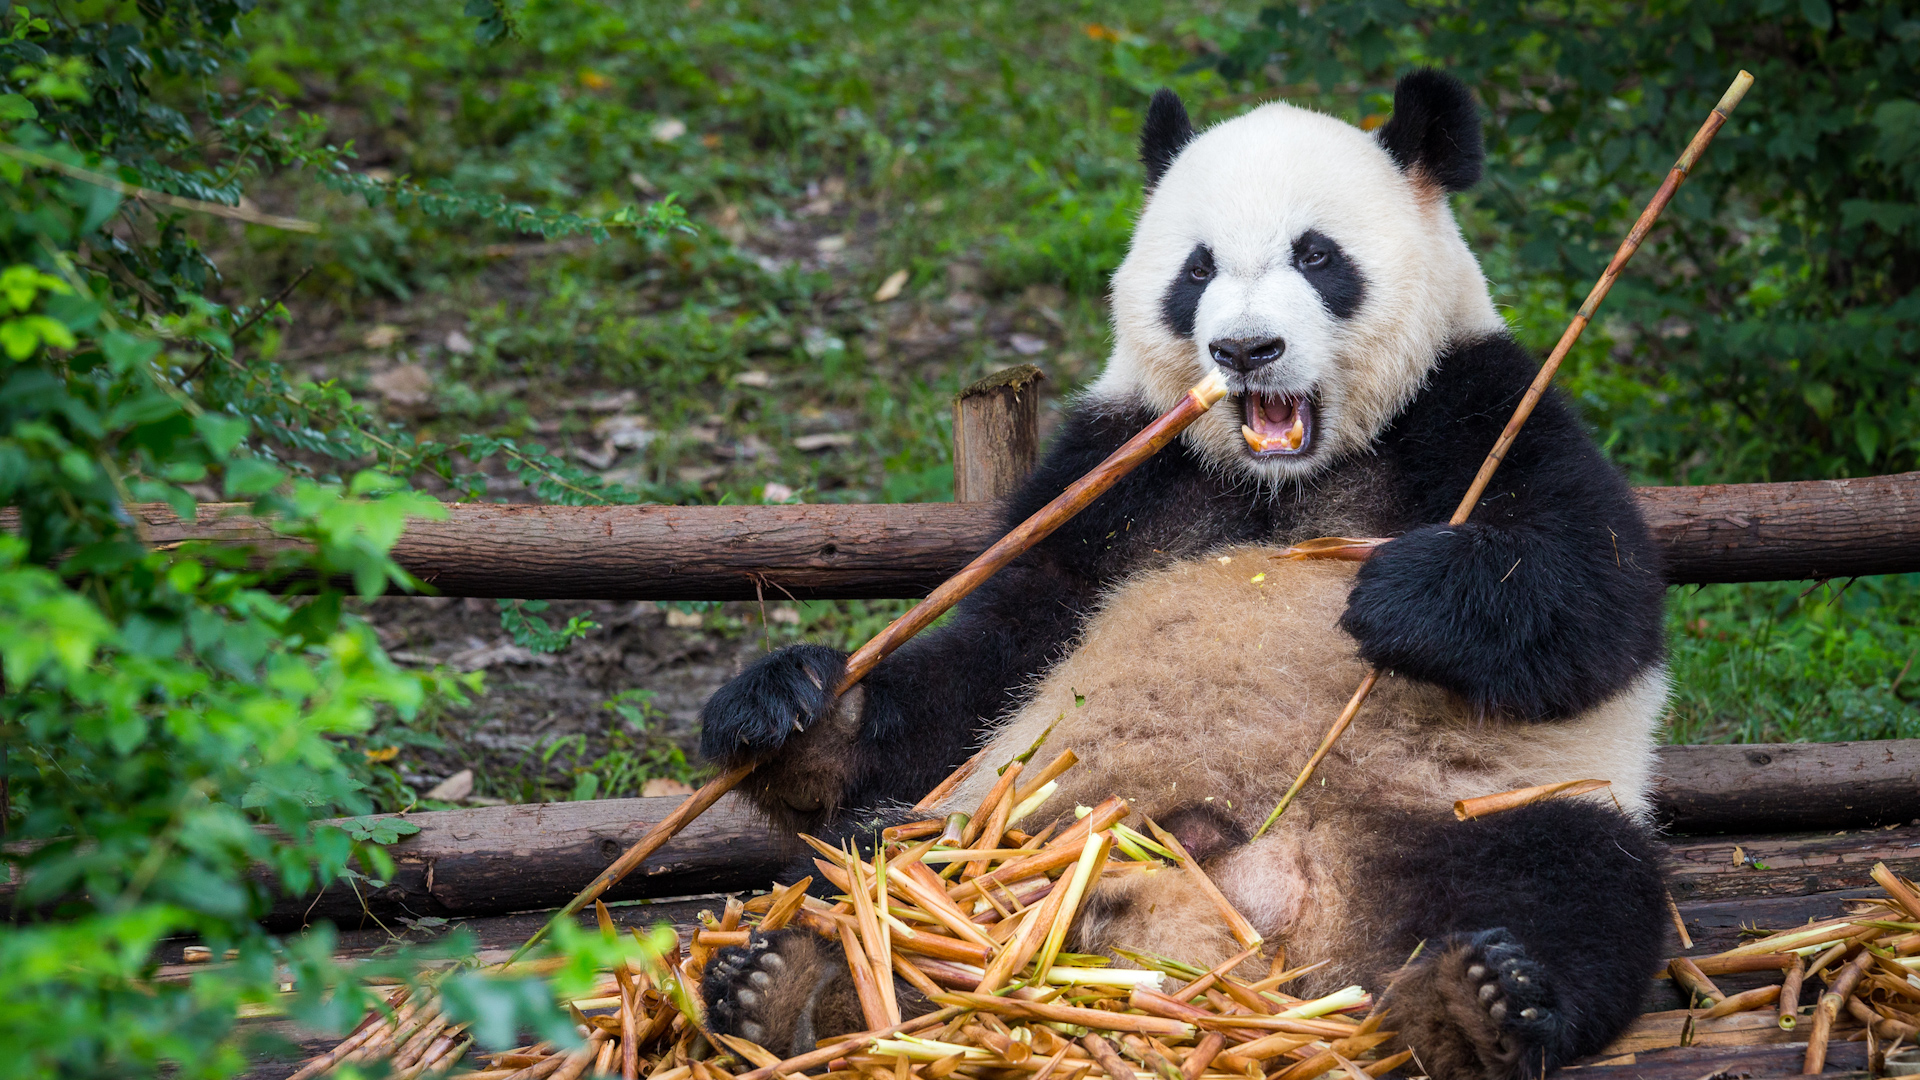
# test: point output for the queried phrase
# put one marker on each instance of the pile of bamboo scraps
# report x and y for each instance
(1867, 962)
(973, 913)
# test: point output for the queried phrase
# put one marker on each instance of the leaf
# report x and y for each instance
(253, 476)
(127, 352)
(382, 830)
(221, 432)
(15, 107)
(1817, 13)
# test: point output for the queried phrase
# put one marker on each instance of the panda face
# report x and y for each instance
(1293, 253)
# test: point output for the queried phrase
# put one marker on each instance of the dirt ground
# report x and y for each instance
(544, 719)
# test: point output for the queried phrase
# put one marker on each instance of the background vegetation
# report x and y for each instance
(575, 251)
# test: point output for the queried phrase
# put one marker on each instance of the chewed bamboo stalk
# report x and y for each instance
(1343, 548)
(1688, 974)
(1468, 809)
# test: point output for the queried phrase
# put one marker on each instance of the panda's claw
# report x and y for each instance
(1480, 1008)
(767, 990)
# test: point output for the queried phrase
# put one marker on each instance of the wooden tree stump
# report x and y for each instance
(996, 434)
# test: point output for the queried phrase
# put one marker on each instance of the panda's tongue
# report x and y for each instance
(1277, 423)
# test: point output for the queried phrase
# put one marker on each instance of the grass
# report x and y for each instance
(984, 147)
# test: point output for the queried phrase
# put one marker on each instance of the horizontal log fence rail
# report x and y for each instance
(497, 859)
(1707, 534)
(1711, 533)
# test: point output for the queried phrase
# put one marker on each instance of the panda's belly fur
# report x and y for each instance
(1212, 681)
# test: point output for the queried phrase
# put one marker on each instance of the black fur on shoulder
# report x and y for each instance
(1435, 129)
(1166, 132)
(1511, 899)
(1549, 600)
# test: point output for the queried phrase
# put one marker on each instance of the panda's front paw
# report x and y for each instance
(1478, 1009)
(1441, 604)
(778, 696)
(782, 715)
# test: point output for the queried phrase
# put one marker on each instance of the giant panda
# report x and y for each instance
(1319, 268)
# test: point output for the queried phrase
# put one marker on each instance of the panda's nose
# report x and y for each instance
(1244, 355)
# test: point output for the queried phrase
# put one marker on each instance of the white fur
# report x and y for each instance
(1248, 188)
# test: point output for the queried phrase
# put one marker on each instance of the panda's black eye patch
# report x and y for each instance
(1331, 273)
(1181, 304)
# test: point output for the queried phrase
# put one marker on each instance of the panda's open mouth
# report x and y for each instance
(1278, 424)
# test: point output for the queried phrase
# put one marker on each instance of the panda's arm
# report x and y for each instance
(1549, 599)
(921, 711)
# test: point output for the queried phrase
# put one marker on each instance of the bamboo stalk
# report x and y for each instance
(1029, 933)
(1065, 760)
(1788, 1006)
(1210, 1046)
(1694, 980)
(1897, 889)
(1216, 974)
(1758, 998)
(1068, 1014)
(1092, 858)
(1885, 1027)
(1108, 1060)
(1468, 809)
(977, 825)
(793, 1066)
(1742, 965)
(1673, 909)
(1828, 1010)
(630, 1032)
(1635, 236)
(355, 1039)
(873, 937)
(866, 983)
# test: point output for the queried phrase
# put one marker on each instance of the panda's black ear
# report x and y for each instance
(1166, 132)
(1435, 130)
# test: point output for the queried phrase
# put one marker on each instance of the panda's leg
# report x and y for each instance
(1538, 929)
(788, 989)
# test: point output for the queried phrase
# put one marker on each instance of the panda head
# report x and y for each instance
(1316, 266)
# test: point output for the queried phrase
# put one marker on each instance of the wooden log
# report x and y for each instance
(1790, 865)
(996, 434)
(519, 858)
(497, 859)
(1715, 533)
(1776, 532)
(1706, 789)
(1727, 1062)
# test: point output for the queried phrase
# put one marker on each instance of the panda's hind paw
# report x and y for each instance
(773, 990)
(1479, 1009)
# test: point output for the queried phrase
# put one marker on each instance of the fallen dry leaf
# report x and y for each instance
(453, 788)
(381, 336)
(891, 287)
(407, 385)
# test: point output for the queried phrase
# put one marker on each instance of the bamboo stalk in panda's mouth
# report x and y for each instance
(1151, 439)
(1635, 236)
